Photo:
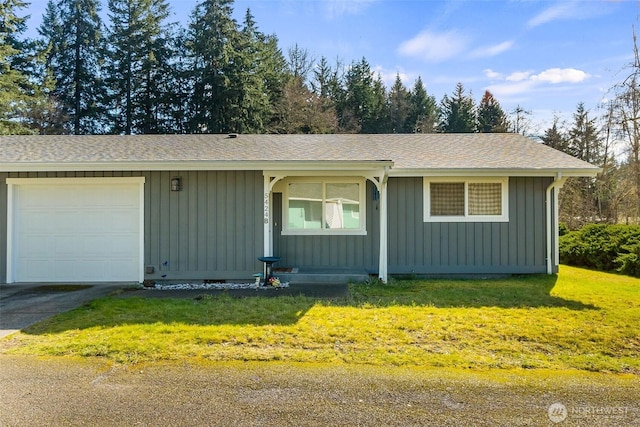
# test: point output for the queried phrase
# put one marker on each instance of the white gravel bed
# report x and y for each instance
(212, 286)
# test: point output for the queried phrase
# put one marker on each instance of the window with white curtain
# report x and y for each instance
(324, 206)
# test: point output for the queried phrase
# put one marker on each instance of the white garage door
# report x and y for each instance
(76, 229)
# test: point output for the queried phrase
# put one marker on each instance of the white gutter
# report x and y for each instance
(494, 172)
(552, 221)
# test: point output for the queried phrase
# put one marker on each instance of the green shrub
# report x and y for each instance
(603, 247)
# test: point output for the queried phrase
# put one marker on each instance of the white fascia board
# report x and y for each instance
(78, 180)
(195, 165)
(493, 172)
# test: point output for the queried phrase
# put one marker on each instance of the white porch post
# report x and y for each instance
(553, 252)
(556, 220)
(267, 217)
(383, 262)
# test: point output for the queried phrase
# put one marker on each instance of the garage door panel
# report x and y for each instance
(35, 246)
(37, 221)
(77, 232)
(66, 246)
(35, 270)
(123, 221)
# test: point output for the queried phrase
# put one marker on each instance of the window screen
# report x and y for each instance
(485, 198)
(447, 198)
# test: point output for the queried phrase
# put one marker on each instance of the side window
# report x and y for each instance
(466, 200)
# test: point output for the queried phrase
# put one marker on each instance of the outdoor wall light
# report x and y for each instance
(176, 183)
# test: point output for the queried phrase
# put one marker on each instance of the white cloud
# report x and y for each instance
(561, 75)
(494, 75)
(434, 47)
(570, 9)
(523, 82)
(559, 11)
(489, 51)
(518, 76)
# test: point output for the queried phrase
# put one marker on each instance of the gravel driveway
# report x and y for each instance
(66, 392)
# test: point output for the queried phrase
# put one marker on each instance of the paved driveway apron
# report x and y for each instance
(22, 305)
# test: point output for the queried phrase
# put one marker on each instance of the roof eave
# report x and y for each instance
(293, 165)
(552, 172)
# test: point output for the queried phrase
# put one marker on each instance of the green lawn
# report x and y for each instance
(578, 319)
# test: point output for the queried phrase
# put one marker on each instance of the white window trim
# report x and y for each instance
(426, 188)
(362, 231)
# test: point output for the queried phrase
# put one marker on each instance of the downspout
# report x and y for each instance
(383, 261)
(552, 221)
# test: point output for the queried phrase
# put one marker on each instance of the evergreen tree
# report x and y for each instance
(138, 63)
(361, 107)
(72, 33)
(213, 37)
(21, 95)
(554, 138)
(423, 114)
(580, 202)
(399, 108)
(378, 122)
(180, 84)
(458, 112)
(584, 142)
(249, 109)
(322, 79)
(267, 77)
(491, 117)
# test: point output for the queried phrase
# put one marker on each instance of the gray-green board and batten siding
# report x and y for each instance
(514, 247)
(213, 229)
(424, 248)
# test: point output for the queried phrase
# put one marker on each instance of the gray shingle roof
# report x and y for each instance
(407, 151)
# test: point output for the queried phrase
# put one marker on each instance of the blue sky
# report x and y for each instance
(545, 56)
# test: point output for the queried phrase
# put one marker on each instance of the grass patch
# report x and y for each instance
(578, 319)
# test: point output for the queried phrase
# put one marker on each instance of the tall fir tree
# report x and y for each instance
(72, 32)
(584, 141)
(491, 116)
(580, 199)
(323, 75)
(399, 108)
(138, 63)
(361, 105)
(458, 112)
(177, 102)
(260, 77)
(424, 113)
(378, 122)
(213, 37)
(22, 83)
(554, 138)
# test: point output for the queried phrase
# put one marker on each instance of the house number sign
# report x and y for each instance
(266, 208)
